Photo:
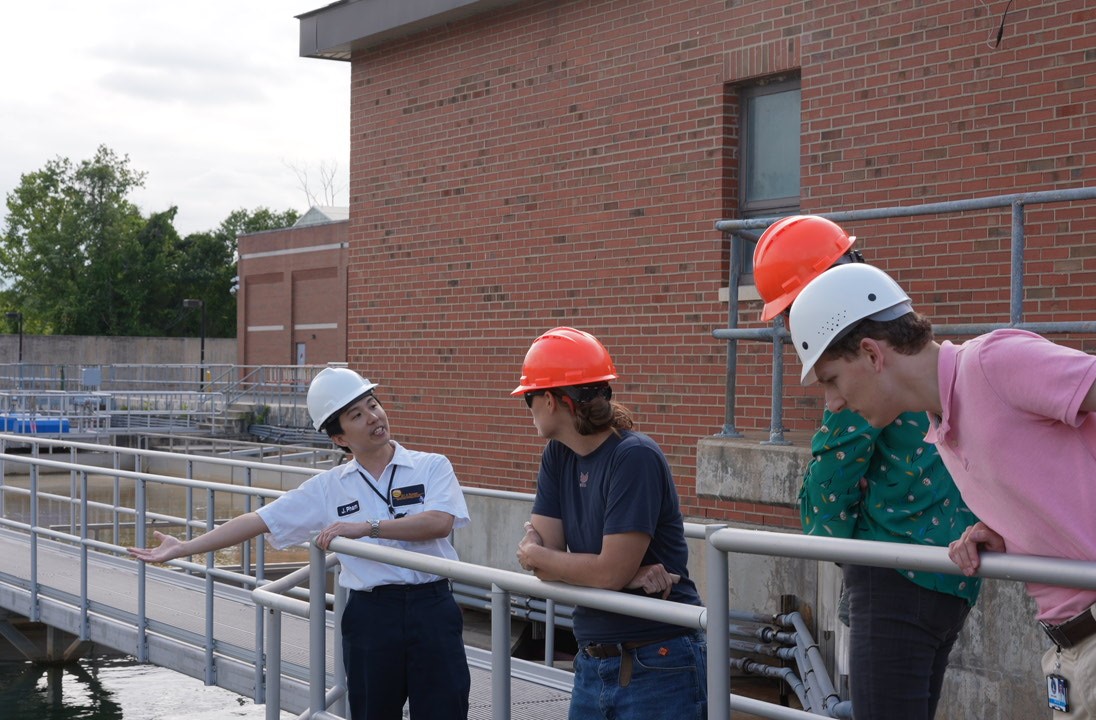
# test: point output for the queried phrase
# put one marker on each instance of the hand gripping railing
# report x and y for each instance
(1028, 568)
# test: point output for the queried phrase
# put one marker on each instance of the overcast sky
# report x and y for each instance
(210, 98)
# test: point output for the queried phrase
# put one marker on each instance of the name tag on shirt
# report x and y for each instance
(348, 509)
(409, 495)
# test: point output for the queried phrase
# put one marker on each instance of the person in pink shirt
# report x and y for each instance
(1011, 414)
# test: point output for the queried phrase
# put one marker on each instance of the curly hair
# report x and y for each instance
(908, 335)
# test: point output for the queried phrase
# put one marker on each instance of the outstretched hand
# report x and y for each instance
(965, 552)
(169, 548)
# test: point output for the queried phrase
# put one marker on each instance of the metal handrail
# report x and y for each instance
(777, 335)
(715, 618)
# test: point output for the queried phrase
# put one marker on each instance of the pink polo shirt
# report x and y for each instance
(1021, 452)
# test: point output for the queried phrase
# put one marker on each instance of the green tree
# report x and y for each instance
(79, 259)
(68, 230)
(208, 270)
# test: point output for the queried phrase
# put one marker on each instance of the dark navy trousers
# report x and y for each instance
(405, 643)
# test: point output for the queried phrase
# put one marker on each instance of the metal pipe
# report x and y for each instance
(1016, 265)
(1030, 568)
(210, 668)
(317, 627)
(776, 424)
(274, 665)
(500, 653)
(85, 604)
(1015, 201)
(719, 683)
(805, 640)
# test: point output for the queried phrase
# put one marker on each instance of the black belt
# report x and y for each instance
(404, 589)
(1072, 631)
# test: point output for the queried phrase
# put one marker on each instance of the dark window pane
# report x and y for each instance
(772, 152)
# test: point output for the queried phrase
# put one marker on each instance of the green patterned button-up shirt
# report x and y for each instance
(908, 496)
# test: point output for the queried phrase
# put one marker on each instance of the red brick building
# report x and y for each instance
(520, 165)
(291, 303)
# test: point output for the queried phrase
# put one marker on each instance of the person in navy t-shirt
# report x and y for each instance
(606, 515)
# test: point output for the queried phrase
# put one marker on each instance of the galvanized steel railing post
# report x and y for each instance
(273, 683)
(3, 468)
(1016, 285)
(210, 669)
(85, 627)
(776, 424)
(718, 628)
(729, 429)
(35, 609)
(549, 632)
(317, 628)
(141, 532)
(500, 653)
(116, 499)
(340, 706)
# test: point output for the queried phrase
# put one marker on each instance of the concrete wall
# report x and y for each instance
(98, 350)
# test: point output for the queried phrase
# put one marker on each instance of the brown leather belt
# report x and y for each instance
(600, 651)
(1072, 631)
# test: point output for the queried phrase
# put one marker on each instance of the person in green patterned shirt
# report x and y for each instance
(886, 485)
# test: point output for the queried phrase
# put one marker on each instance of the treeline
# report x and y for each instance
(78, 258)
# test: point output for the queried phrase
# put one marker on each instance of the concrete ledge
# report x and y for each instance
(743, 470)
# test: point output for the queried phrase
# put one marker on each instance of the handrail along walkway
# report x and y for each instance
(714, 619)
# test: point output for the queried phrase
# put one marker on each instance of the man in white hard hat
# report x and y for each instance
(1011, 414)
(402, 629)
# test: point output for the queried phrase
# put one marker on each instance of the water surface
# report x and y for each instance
(115, 689)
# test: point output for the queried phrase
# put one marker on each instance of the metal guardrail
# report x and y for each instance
(164, 397)
(281, 597)
(741, 231)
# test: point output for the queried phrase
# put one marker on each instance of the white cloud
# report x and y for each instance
(210, 98)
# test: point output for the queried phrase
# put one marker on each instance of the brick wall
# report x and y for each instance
(564, 162)
(292, 290)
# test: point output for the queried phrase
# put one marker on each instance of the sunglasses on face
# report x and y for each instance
(532, 394)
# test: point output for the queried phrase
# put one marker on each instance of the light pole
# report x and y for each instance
(18, 318)
(191, 303)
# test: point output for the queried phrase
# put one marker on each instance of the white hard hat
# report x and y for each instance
(333, 389)
(836, 300)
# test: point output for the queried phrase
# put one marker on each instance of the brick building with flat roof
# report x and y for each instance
(520, 165)
(291, 303)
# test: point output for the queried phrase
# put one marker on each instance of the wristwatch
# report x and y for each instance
(375, 528)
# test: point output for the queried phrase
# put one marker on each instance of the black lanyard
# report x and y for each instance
(386, 499)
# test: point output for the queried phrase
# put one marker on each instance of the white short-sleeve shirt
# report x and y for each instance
(422, 481)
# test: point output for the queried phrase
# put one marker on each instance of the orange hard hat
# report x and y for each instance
(792, 252)
(564, 356)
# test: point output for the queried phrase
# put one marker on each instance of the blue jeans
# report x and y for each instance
(669, 682)
(900, 636)
(404, 643)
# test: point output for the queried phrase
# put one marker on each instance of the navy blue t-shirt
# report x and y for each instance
(623, 486)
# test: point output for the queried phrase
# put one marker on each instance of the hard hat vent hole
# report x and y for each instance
(871, 297)
(805, 345)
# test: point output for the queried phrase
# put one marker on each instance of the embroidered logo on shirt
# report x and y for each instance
(409, 495)
(348, 509)
(583, 478)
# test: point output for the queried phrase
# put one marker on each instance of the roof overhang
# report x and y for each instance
(334, 31)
